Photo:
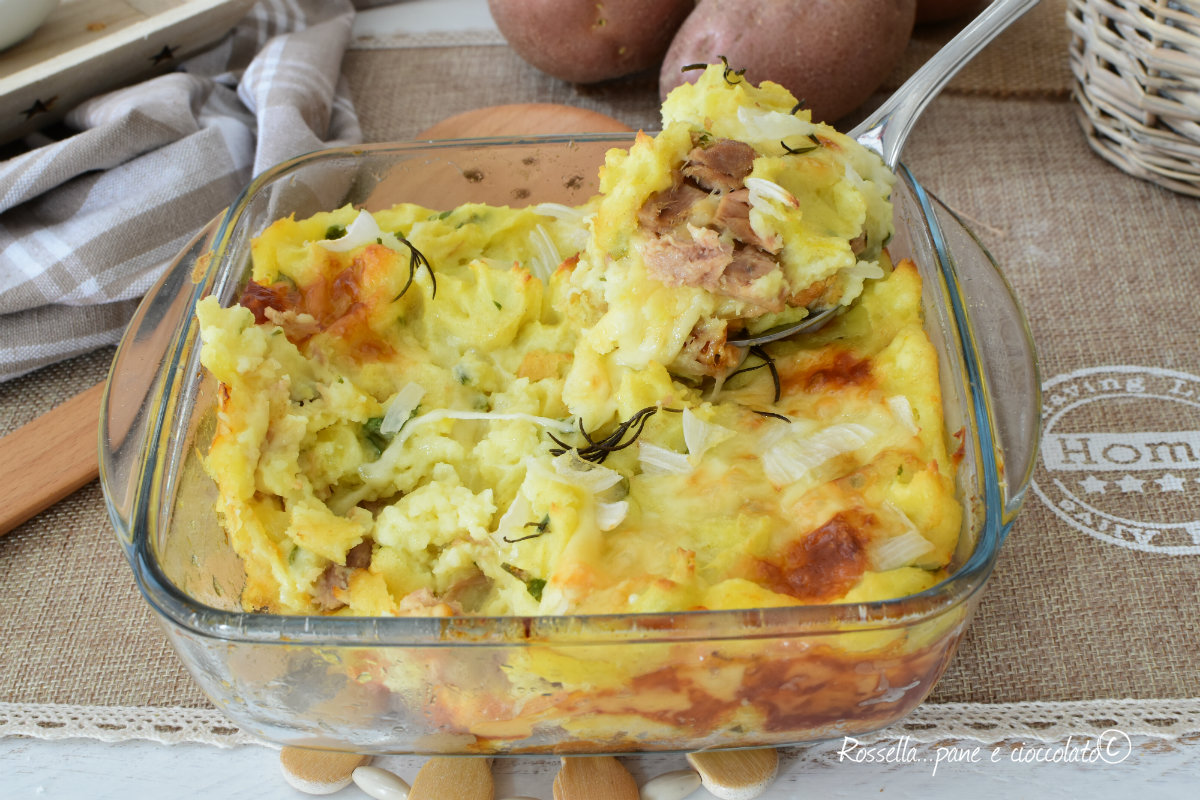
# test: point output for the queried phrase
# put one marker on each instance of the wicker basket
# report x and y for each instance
(1137, 80)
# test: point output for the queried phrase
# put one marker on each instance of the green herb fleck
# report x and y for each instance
(496, 303)
(335, 232)
(377, 439)
(532, 585)
(542, 527)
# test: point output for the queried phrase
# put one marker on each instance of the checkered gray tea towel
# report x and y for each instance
(87, 223)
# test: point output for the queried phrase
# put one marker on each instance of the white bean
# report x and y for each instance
(381, 784)
(671, 785)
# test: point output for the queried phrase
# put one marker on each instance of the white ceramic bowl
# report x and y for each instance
(21, 18)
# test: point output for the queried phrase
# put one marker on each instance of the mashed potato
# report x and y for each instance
(495, 411)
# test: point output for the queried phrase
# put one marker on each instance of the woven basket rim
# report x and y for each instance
(1136, 66)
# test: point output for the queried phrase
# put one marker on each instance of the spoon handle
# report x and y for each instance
(886, 129)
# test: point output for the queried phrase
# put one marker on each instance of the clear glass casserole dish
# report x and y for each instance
(523, 685)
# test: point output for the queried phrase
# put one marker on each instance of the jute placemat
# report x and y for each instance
(1091, 618)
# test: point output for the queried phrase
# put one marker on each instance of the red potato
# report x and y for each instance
(929, 11)
(585, 41)
(831, 53)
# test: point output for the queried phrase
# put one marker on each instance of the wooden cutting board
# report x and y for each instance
(57, 453)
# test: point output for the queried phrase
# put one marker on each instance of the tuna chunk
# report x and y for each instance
(670, 208)
(720, 167)
(336, 578)
(738, 280)
(695, 260)
(705, 353)
(733, 214)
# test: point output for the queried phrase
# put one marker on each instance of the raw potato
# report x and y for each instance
(831, 53)
(585, 41)
(941, 10)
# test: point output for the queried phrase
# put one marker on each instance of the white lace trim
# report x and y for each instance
(122, 724)
(984, 722)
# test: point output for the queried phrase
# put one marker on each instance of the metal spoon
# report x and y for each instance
(887, 128)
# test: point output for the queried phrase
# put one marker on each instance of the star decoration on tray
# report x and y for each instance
(1093, 485)
(39, 107)
(166, 54)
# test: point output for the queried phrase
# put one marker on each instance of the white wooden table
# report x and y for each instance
(90, 770)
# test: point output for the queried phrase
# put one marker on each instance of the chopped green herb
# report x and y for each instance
(335, 232)
(371, 431)
(496, 303)
(533, 585)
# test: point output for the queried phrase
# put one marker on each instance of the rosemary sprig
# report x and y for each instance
(797, 151)
(416, 259)
(769, 363)
(542, 527)
(771, 414)
(728, 70)
(759, 351)
(597, 451)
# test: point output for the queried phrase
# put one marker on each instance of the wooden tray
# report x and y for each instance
(87, 47)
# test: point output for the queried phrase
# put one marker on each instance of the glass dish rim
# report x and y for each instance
(174, 605)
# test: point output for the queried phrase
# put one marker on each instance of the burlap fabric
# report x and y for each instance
(1093, 613)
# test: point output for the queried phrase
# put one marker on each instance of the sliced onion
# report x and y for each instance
(363, 230)
(902, 410)
(773, 125)
(545, 255)
(899, 551)
(593, 478)
(401, 408)
(516, 515)
(657, 460)
(765, 195)
(865, 270)
(793, 457)
(562, 212)
(699, 435)
(610, 515)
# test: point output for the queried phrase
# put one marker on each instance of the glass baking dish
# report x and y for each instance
(569, 684)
